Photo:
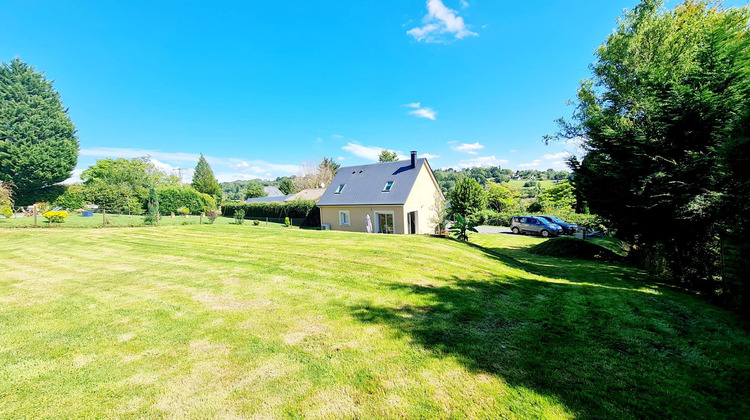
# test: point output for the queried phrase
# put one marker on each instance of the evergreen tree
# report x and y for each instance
(468, 198)
(152, 217)
(387, 156)
(203, 179)
(38, 145)
(254, 191)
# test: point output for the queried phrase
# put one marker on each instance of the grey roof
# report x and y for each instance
(364, 184)
(278, 199)
(273, 191)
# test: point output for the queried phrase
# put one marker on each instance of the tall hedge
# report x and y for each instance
(172, 198)
(294, 209)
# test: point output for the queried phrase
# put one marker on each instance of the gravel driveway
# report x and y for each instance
(492, 229)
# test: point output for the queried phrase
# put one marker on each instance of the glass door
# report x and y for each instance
(385, 222)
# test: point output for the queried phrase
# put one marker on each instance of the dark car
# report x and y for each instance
(535, 225)
(568, 228)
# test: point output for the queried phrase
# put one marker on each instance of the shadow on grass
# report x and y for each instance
(604, 352)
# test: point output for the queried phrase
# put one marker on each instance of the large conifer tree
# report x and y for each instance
(203, 179)
(38, 145)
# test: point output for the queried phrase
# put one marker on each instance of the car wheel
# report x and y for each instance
(515, 231)
(545, 233)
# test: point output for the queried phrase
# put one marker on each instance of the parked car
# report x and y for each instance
(535, 225)
(568, 228)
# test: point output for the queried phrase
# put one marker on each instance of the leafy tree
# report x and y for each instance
(38, 145)
(255, 190)
(286, 186)
(503, 197)
(462, 227)
(387, 156)
(203, 179)
(6, 194)
(468, 198)
(316, 175)
(669, 99)
(330, 164)
(560, 196)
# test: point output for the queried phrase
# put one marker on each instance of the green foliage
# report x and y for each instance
(57, 216)
(172, 198)
(38, 145)
(329, 164)
(204, 180)
(183, 211)
(254, 191)
(287, 222)
(387, 156)
(462, 227)
(152, 216)
(447, 178)
(210, 202)
(560, 196)
(503, 197)
(239, 216)
(256, 222)
(6, 194)
(295, 209)
(670, 95)
(467, 198)
(72, 199)
(286, 186)
(6, 212)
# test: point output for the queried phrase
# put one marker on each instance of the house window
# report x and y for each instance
(344, 218)
(338, 190)
(388, 186)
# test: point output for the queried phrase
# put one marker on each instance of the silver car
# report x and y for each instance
(535, 225)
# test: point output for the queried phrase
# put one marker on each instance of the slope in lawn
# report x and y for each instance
(198, 321)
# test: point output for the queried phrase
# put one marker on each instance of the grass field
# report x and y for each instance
(75, 220)
(251, 321)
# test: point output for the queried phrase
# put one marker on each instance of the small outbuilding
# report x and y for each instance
(399, 197)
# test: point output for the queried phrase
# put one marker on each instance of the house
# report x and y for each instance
(398, 196)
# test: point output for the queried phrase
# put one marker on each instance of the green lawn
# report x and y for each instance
(252, 321)
(75, 220)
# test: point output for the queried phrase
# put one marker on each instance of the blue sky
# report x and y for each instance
(260, 87)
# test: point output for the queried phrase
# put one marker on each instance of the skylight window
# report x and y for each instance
(388, 186)
(338, 190)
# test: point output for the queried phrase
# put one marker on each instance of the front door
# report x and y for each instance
(411, 221)
(385, 222)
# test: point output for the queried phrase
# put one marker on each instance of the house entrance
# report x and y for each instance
(411, 222)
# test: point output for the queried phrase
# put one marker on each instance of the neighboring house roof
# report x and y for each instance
(279, 199)
(363, 185)
(273, 191)
(313, 194)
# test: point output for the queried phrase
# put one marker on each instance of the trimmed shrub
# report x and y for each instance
(256, 222)
(183, 210)
(294, 209)
(212, 215)
(239, 216)
(58, 216)
(6, 212)
(172, 198)
(287, 222)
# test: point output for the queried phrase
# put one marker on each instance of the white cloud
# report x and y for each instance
(556, 156)
(225, 169)
(429, 156)
(482, 161)
(413, 105)
(532, 164)
(439, 23)
(424, 113)
(369, 152)
(337, 136)
(469, 148)
(341, 158)
(464, 4)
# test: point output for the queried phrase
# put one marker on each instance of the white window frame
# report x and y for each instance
(339, 189)
(377, 219)
(385, 187)
(348, 218)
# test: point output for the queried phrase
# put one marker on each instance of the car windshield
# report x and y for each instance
(554, 219)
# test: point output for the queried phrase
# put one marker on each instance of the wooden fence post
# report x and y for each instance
(35, 213)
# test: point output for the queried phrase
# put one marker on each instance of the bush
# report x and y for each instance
(212, 215)
(287, 222)
(183, 210)
(58, 216)
(495, 218)
(256, 222)
(210, 202)
(239, 216)
(294, 209)
(171, 199)
(6, 212)
(72, 199)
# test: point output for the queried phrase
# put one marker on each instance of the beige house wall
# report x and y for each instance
(358, 216)
(422, 200)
